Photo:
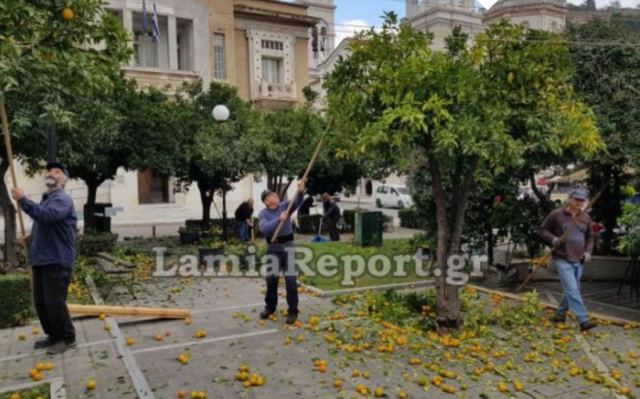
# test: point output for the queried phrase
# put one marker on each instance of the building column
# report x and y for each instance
(173, 42)
(127, 22)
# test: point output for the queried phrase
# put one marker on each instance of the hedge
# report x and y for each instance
(409, 218)
(308, 224)
(15, 297)
(91, 244)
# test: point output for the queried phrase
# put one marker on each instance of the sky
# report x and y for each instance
(354, 15)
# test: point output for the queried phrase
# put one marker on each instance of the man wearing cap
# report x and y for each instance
(570, 253)
(51, 254)
(280, 250)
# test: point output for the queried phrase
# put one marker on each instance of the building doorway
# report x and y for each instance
(152, 188)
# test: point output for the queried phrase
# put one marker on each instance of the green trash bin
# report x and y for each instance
(368, 229)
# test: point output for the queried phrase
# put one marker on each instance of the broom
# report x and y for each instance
(543, 261)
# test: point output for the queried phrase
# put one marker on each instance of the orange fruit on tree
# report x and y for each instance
(68, 14)
(181, 394)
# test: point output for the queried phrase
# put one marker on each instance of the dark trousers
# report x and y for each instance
(50, 285)
(291, 283)
(334, 233)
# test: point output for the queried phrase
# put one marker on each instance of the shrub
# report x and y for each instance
(15, 297)
(91, 244)
(349, 216)
(409, 218)
(308, 224)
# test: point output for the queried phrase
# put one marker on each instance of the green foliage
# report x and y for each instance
(53, 59)
(285, 144)
(15, 296)
(503, 104)
(308, 224)
(40, 391)
(91, 244)
(409, 218)
(629, 242)
(607, 78)
(214, 154)
(523, 313)
(332, 175)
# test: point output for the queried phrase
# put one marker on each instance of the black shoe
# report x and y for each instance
(43, 343)
(558, 318)
(587, 325)
(265, 314)
(291, 318)
(60, 347)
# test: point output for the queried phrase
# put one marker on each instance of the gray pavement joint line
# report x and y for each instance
(57, 389)
(205, 341)
(138, 379)
(43, 352)
(593, 358)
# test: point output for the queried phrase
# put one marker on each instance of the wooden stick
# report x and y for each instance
(304, 178)
(96, 310)
(9, 149)
(544, 259)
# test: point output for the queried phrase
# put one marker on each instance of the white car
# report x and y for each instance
(393, 196)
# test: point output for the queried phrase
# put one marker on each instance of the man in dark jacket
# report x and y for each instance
(331, 216)
(570, 253)
(51, 255)
(244, 215)
(281, 249)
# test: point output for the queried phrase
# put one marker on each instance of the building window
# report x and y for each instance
(272, 45)
(184, 41)
(272, 70)
(149, 53)
(220, 72)
(146, 52)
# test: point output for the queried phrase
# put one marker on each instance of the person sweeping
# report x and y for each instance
(278, 213)
(568, 231)
(51, 255)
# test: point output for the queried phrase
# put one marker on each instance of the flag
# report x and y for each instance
(155, 34)
(144, 18)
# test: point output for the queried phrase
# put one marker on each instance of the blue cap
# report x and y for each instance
(580, 193)
(58, 165)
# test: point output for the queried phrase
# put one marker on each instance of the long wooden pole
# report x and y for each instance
(12, 169)
(97, 310)
(544, 259)
(304, 178)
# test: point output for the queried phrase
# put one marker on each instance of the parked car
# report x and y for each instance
(393, 196)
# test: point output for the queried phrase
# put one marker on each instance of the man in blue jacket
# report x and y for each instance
(280, 249)
(51, 254)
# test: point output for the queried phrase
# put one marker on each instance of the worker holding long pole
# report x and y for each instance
(51, 255)
(275, 224)
(569, 232)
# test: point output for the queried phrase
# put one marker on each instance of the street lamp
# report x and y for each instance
(221, 114)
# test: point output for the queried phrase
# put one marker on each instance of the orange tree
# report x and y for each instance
(456, 115)
(50, 53)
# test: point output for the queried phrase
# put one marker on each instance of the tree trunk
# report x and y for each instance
(9, 214)
(450, 227)
(608, 208)
(90, 224)
(206, 198)
(447, 303)
(490, 244)
(224, 215)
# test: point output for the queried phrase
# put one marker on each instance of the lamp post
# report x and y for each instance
(221, 114)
